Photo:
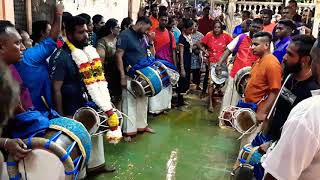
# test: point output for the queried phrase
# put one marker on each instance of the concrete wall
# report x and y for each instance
(117, 9)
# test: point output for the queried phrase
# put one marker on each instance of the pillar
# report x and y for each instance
(316, 22)
(7, 10)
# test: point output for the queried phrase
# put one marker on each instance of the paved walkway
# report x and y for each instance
(204, 151)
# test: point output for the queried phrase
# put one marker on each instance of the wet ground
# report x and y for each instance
(204, 151)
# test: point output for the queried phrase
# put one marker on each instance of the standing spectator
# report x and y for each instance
(98, 22)
(294, 5)
(92, 35)
(185, 51)
(266, 15)
(287, 13)
(307, 18)
(238, 29)
(172, 24)
(165, 47)
(194, 14)
(106, 48)
(216, 42)
(40, 30)
(283, 32)
(196, 58)
(126, 23)
(205, 23)
(243, 57)
(154, 17)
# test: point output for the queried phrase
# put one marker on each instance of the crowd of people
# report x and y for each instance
(61, 67)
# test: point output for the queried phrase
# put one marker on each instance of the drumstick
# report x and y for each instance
(45, 103)
(25, 171)
(246, 132)
(275, 102)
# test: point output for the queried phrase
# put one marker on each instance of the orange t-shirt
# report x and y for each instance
(269, 28)
(265, 76)
(155, 23)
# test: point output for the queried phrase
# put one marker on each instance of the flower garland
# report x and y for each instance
(91, 70)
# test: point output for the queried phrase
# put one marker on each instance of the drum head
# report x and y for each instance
(241, 80)
(137, 88)
(89, 118)
(41, 164)
(219, 74)
(245, 120)
(227, 116)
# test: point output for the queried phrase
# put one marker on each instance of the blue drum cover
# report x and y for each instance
(78, 130)
(153, 77)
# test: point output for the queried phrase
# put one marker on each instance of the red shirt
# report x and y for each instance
(205, 25)
(162, 44)
(216, 45)
(244, 56)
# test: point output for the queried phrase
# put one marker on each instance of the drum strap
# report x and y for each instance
(241, 38)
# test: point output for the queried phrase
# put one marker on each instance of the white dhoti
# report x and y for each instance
(97, 152)
(231, 96)
(161, 101)
(137, 110)
(97, 156)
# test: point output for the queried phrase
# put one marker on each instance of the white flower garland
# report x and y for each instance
(98, 88)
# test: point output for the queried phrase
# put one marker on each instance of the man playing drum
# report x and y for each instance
(265, 79)
(76, 71)
(298, 86)
(132, 47)
(240, 46)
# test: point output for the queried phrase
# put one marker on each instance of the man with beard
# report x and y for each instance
(71, 91)
(165, 47)
(297, 153)
(133, 48)
(299, 86)
(284, 31)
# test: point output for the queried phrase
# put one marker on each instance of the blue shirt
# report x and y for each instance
(176, 33)
(134, 45)
(33, 70)
(237, 30)
(280, 48)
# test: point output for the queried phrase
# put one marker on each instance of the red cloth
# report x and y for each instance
(25, 97)
(155, 23)
(216, 45)
(205, 25)
(269, 28)
(244, 57)
(162, 44)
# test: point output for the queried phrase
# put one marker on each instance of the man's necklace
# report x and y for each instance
(295, 84)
